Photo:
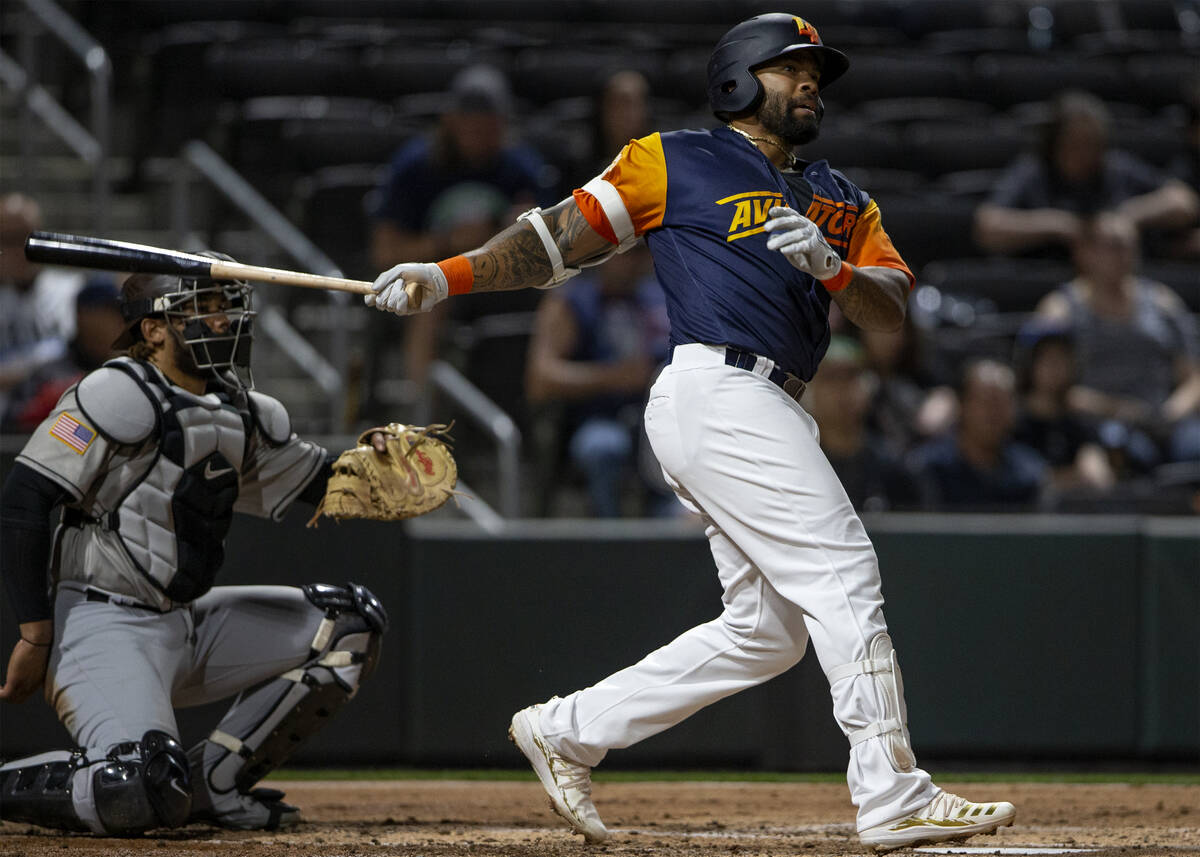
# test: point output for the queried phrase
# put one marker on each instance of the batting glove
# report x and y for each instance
(390, 294)
(799, 239)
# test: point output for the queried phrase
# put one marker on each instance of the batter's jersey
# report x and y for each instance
(701, 198)
(134, 551)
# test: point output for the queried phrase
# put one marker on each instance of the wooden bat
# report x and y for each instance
(83, 251)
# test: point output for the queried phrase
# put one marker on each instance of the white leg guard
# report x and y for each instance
(892, 727)
(263, 729)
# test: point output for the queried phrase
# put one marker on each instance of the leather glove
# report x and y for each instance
(799, 239)
(392, 296)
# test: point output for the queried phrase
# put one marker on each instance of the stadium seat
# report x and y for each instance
(899, 112)
(927, 226)
(848, 143)
(332, 210)
(902, 75)
(393, 70)
(939, 148)
(544, 75)
(1011, 284)
(282, 66)
(1165, 79)
(1007, 79)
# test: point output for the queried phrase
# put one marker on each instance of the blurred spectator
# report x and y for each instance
(1046, 372)
(452, 190)
(979, 466)
(1041, 202)
(1139, 357)
(839, 398)
(98, 323)
(596, 345)
(907, 404)
(36, 304)
(621, 113)
(1186, 167)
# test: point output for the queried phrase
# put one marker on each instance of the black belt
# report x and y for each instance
(105, 598)
(791, 384)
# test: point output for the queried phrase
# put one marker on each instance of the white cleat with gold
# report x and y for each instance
(946, 817)
(569, 785)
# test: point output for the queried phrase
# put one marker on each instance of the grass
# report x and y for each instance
(646, 776)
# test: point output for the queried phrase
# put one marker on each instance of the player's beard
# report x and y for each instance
(777, 117)
(185, 361)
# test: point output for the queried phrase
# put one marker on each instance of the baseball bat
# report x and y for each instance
(84, 251)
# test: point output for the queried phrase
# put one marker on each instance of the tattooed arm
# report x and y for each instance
(875, 298)
(516, 259)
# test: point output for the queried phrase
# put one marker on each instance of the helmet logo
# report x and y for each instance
(807, 31)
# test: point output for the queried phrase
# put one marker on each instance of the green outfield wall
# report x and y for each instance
(1021, 638)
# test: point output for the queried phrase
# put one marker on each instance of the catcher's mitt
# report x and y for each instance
(416, 475)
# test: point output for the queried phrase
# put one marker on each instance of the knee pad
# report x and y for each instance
(136, 786)
(892, 727)
(142, 785)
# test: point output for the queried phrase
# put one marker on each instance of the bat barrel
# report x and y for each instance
(83, 251)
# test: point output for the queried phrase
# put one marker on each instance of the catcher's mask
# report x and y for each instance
(732, 86)
(216, 315)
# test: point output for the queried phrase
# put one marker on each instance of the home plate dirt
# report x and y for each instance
(513, 819)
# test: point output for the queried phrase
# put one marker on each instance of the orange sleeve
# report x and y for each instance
(870, 245)
(639, 175)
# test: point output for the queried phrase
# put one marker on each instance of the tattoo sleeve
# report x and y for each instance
(516, 258)
(875, 298)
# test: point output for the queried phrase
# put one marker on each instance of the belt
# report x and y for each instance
(791, 384)
(104, 598)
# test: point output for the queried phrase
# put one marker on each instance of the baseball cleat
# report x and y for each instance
(569, 785)
(258, 809)
(944, 818)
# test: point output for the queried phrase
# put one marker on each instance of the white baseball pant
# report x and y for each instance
(793, 559)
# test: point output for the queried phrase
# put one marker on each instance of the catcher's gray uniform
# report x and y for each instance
(153, 474)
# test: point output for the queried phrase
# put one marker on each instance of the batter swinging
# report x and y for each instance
(750, 246)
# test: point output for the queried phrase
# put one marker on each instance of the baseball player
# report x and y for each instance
(149, 456)
(750, 245)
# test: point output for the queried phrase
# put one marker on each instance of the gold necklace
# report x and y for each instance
(791, 159)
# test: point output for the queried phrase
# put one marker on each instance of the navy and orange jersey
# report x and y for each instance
(701, 198)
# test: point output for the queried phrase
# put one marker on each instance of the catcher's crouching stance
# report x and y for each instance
(149, 456)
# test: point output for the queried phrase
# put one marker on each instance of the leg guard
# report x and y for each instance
(136, 786)
(262, 730)
(892, 727)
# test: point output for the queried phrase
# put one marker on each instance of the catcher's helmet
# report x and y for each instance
(732, 86)
(196, 301)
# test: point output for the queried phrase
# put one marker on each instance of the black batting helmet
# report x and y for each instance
(732, 86)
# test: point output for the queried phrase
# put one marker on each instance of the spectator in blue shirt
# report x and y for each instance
(451, 190)
(979, 467)
(1043, 200)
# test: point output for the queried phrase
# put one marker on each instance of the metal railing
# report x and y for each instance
(492, 419)
(94, 147)
(199, 159)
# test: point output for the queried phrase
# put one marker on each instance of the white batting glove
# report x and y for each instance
(390, 294)
(799, 239)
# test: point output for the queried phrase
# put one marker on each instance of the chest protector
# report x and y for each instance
(177, 494)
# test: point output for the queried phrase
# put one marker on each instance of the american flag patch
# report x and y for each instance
(73, 433)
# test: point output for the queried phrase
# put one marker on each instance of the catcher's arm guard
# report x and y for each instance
(415, 474)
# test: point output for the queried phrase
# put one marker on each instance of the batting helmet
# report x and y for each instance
(732, 86)
(196, 301)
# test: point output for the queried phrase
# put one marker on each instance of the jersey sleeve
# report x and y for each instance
(67, 448)
(631, 195)
(871, 246)
(274, 475)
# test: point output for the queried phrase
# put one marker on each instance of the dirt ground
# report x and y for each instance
(512, 819)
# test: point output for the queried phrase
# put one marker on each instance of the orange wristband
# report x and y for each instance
(459, 276)
(839, 280)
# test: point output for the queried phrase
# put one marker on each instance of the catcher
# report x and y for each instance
(149, 456)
